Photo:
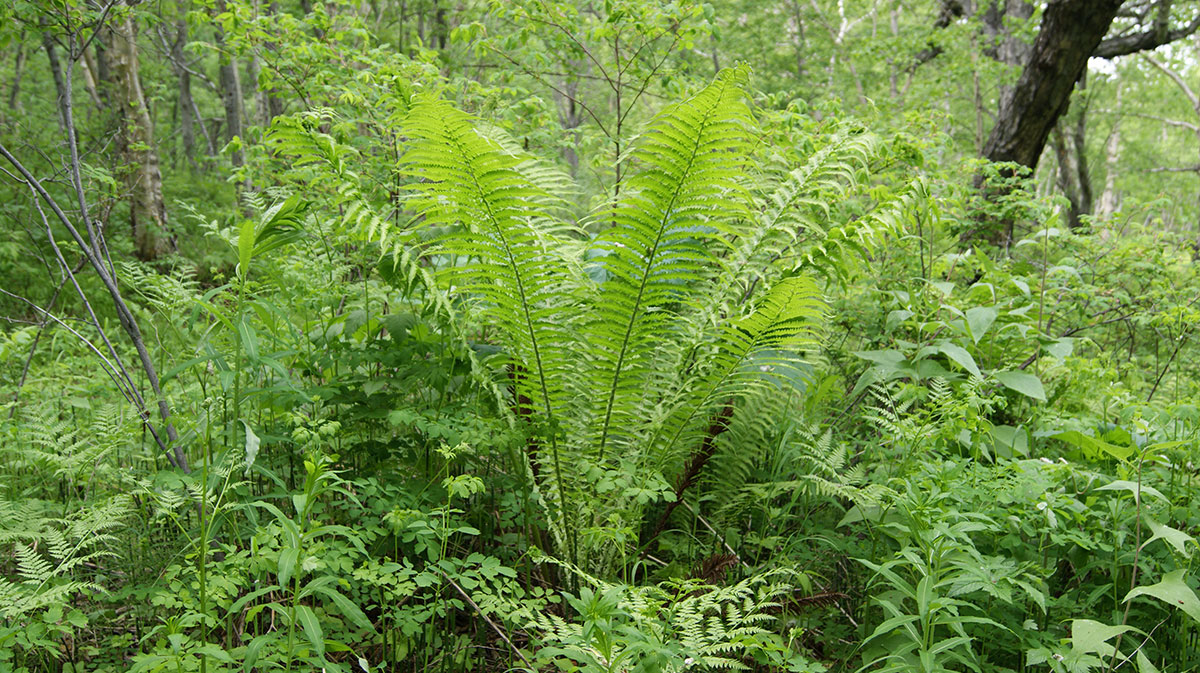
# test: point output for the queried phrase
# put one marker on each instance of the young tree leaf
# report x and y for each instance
(979, 319)
(961, 356)
(1023, 382)
(1172, 590)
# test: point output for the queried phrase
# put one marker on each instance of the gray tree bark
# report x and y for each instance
(147, 211)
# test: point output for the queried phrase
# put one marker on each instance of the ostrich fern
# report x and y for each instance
(619, 378)
(628, 351)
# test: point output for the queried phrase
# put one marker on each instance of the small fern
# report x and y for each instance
(51, 552)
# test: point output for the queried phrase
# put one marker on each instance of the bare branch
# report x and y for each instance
(1177, 79)
(1128, 44)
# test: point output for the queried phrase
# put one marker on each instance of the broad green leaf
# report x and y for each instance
(1176, 538)
(347, 608)
(214, 651)
(1023, 382)
(245, 246)
(1172, 590)
(312, 628)
(250, 656)
(1091, 636)
(1094, 446)
(886, 358)
(1060, 348)
(979, 319)
(249, 339)
(287, 564)
(1134, 488)
(960, 355)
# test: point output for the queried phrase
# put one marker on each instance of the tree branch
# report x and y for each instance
(1128, 44)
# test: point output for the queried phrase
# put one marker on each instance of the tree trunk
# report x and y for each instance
(799, 45)
(1029, 110)
(147, 211)
(1070, 31)
(1066, 177)
(187, 121)
(231, 93)
(1112, 153)
(14, 91)
(1082, 172)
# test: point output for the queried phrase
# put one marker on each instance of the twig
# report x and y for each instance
(490, 623)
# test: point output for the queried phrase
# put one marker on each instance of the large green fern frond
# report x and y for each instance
(685, 202)
(493, 236)
(761, 350)
(501, 249)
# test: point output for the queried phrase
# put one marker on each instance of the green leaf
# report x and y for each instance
(979, 319)
(1144, 664)
(250, 656)
(1134, 488)
(287, 564)
(347, 608)
(312, 628)
(1172, 590)
(1094, 446)
(252, 443)
(961, 356)
(214, 651)
(77, 619)
(1023, 382)
(1176, 538)
(1089, 636)
(245, 246)
(1060, 349)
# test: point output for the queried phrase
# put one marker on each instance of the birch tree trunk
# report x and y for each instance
(147, 212)
(231, 93)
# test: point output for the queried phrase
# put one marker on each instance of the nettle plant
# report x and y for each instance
(629, 351)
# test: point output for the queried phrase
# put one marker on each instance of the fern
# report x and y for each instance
(632, 352)
(684, 202)
(673, 626)
(51, 552)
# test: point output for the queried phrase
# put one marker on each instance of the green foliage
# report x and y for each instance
(543, 335)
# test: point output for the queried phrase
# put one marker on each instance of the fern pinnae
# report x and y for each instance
(469, 182)
(689, 159)
(786, 318)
